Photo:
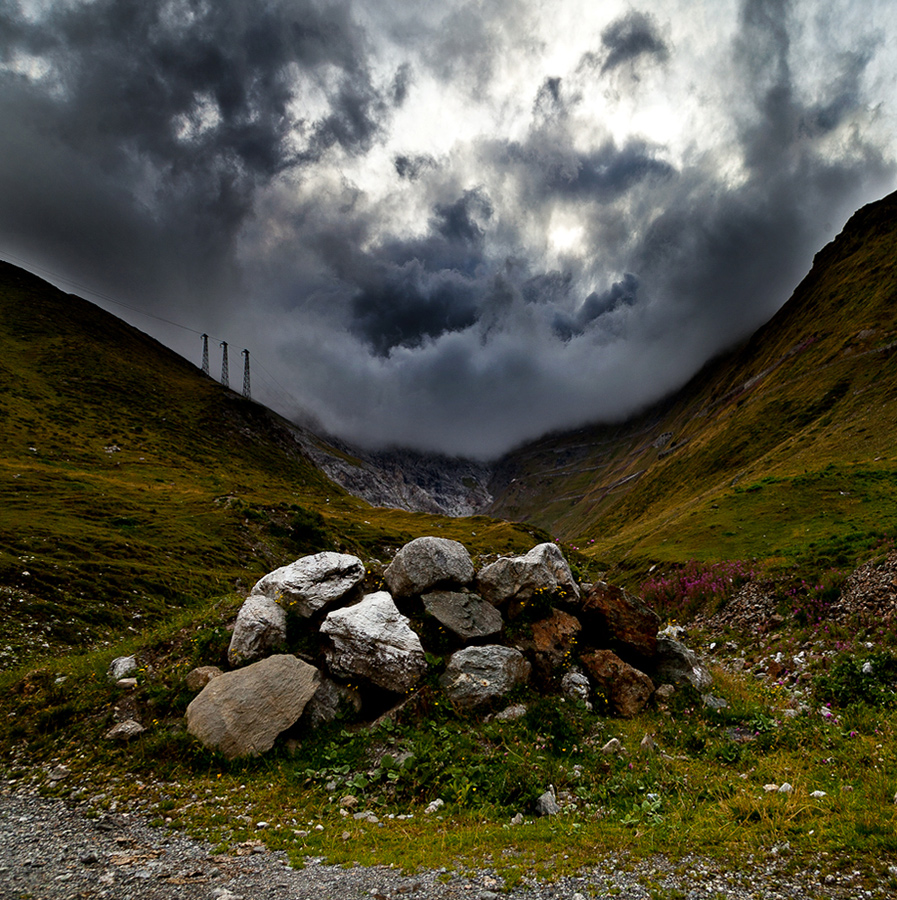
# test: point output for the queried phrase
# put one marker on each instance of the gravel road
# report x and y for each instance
(50, 850)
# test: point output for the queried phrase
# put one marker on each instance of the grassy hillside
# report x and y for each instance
(783, 450)
(138, 497)
(130, 484)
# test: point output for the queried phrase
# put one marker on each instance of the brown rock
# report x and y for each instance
(242, 712)
(197, 679)
(627, 690)
(552, 643)
(614, 616)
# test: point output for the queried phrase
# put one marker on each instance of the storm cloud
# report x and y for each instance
(451, 228)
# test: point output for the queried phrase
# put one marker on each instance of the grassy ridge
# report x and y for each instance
(788, 441)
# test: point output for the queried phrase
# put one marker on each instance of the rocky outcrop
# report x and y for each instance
(260, 629)
(374, 641)
(241, 713)
(519, 578)
(368, 648)
(425, 563)
(312, 583)
(478, 676)
(627, 689)
(674, 664)
(467, 616)
(615, 617)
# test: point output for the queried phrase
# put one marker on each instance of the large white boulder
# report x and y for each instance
(426, 562)
(374, 640)
(260, 629)
(519, 578)
(241, 713)
(312, 583)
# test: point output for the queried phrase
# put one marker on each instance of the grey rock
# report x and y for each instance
(518, 578)
(511, 713)
(576, 685)
(241, 713)
(466, 615)
(260, 630)
(426, 562)
(312, 583)
(197, 679)
(121, 667)
(375, 641)
(477, 676)
(329, 701)
(675, 664)
(664, 694)
(612, 746)
(125, 731)
(717, 703)
(547, 804)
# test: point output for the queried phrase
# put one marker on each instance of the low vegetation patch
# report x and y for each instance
(714, 778)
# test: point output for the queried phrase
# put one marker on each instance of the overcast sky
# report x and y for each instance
(453, 226)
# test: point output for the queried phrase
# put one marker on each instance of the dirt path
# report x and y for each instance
(50, 850)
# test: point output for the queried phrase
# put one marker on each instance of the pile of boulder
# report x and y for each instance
(474, 636)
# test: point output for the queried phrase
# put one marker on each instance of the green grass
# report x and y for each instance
(702, 791)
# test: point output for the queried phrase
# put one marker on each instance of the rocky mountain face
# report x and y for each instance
(403, 479)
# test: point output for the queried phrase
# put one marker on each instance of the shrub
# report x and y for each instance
(851, 680)
(696, 587)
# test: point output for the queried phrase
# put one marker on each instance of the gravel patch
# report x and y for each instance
(50, 849)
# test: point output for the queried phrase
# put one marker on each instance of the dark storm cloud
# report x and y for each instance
(444, 234)
(401, 84)
(545, 163)
(726, 257)
(411, 167)
(184, 110)
(608, 171)
(629, 37)
(548, 98)
(623, 292)
(413, 290)
(458, 221)
(410, 304)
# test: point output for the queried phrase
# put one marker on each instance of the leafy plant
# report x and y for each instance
(852, 680)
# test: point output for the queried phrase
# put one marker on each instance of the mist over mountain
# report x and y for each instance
(453, 229)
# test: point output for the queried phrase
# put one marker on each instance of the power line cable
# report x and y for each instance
(83, 287)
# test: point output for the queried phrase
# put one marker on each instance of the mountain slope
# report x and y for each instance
(784, 443)
(131, 484)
